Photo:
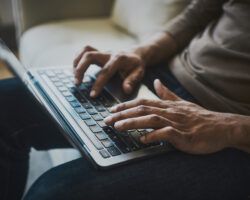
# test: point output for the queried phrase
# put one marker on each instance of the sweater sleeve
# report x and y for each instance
(197, 15)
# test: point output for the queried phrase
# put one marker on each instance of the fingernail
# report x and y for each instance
(113, 109)
(107, 119)
(118, 125)
(93, 93)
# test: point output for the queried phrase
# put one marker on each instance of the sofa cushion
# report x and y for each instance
(57, 43)
(144, 17)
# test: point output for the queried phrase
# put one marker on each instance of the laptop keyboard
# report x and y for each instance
(93, 111)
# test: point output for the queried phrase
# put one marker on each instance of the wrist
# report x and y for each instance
(159, 49)
(146, 53)
(240, 132)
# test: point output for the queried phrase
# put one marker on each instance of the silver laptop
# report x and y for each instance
(80, 118)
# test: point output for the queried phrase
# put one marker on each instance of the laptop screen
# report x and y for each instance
(11, 60)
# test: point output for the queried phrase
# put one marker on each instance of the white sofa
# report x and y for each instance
(51, 32)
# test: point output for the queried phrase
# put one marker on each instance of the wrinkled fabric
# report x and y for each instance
(214, 64)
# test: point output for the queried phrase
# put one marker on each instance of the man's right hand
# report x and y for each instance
(129, 65)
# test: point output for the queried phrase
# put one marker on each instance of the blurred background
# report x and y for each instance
(7, 32)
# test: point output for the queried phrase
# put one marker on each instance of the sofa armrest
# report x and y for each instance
(28, 13)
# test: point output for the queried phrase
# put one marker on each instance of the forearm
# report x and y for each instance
(157, 50)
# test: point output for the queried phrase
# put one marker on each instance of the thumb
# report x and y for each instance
(163, 92)
(133, 79)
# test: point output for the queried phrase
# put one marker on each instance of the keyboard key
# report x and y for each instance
(86, 105)
(107, 143)
(50, 74)
(90, 122)
(109, 130)
(80, 110)
(69, 85)
(101, 136)
(95, 102)
(100, 108)
(97, 144)
(136, 135)
(58, 71)
(120, 143)
(91, 111)
(104, 114)
(58, 84)
(129, 142)
(109, 97)
(95, 129)
(84, 116)
(61, 76)
(62, 89)
(109, 109)
(70, 98)
(104, 153)
(113, 151)
(125, 146)
(82, 100)
(97, 117)
(83, 87)
(54, 79)
(66, 94)
(75, 104)
(101, 123)
(65, 81)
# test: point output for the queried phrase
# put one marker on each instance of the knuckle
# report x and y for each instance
(119, 115)
(121, 57)
(78, 70)
(87, 48)
(143, 110)
(128, 123)
(121, 106)
(142, 101)
(88, 55)
(155, 118)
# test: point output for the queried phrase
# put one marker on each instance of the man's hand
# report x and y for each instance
(130, 66)
(187, 126)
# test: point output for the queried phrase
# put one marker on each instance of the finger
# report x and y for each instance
(133, 79)
(137, 112)
(79, 56)
(169, 134)
(88, 59)
(110, 68)
(148, 121)
(163, 92)
(138, 102)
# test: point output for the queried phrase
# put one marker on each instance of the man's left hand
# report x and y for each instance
(187, 126)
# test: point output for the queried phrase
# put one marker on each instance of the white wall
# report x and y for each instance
(6, 12)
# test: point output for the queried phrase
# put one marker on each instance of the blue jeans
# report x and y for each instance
(175, 175)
